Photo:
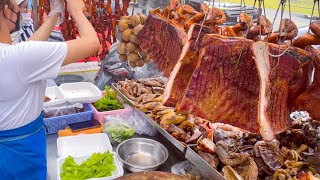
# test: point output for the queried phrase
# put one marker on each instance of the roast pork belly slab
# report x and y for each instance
(182, 72)
(310, 99)
(163, 41)
(223, 89)
(249, 92)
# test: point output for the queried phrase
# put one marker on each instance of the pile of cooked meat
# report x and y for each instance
(235, 152)
(231, 90)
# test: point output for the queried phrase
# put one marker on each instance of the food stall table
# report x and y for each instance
(175, 156)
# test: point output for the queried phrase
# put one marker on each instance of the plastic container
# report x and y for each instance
(69, 78)
(83, 144)
(81, 92)
(56, 95)
(53, 125)
(81, 148)
(100, 116)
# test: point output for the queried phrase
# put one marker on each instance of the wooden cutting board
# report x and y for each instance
(152, 175)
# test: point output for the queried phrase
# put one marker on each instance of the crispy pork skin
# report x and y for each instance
(250, 92)
(182, 72)
(163, 41)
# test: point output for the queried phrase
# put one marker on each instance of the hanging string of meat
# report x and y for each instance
(43, 8)
(100, 15)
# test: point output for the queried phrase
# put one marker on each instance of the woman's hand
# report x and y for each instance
(88, 43)
(75, 7)
(57, 7)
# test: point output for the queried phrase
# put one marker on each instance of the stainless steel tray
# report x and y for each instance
(206, 170)
(168, 136)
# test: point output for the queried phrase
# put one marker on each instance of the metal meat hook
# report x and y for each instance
(204, 19)
(247, 31)
(260, 4)
(314, 4)
(282, 4)
(134, 5)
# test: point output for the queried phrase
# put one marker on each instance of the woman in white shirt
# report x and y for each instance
(24, 69)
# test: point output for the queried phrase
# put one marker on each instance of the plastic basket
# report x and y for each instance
(100, 116)
(54, 124)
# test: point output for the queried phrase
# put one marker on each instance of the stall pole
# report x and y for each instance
(35, 14)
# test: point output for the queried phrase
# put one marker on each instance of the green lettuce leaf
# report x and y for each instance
(97, 166)
(108, 102)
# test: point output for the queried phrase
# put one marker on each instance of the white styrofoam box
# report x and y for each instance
(56, 95)
(83, 144)
(81, 92)
(81, 147)
(81, 158)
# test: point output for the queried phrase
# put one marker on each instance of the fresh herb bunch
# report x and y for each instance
(97, 166)
(108, 102)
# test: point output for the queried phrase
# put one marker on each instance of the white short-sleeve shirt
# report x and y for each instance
(24, 69)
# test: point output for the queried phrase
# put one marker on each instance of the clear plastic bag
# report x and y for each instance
(134, 120)
(140, 125)
(185, 168)
(117, 129)
(300, 116)
(49, 112)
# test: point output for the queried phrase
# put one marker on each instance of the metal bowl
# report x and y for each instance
(142, 154)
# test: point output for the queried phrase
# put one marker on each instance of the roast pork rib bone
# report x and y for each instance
(163, 41)
(183, 70)
(250, 94)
